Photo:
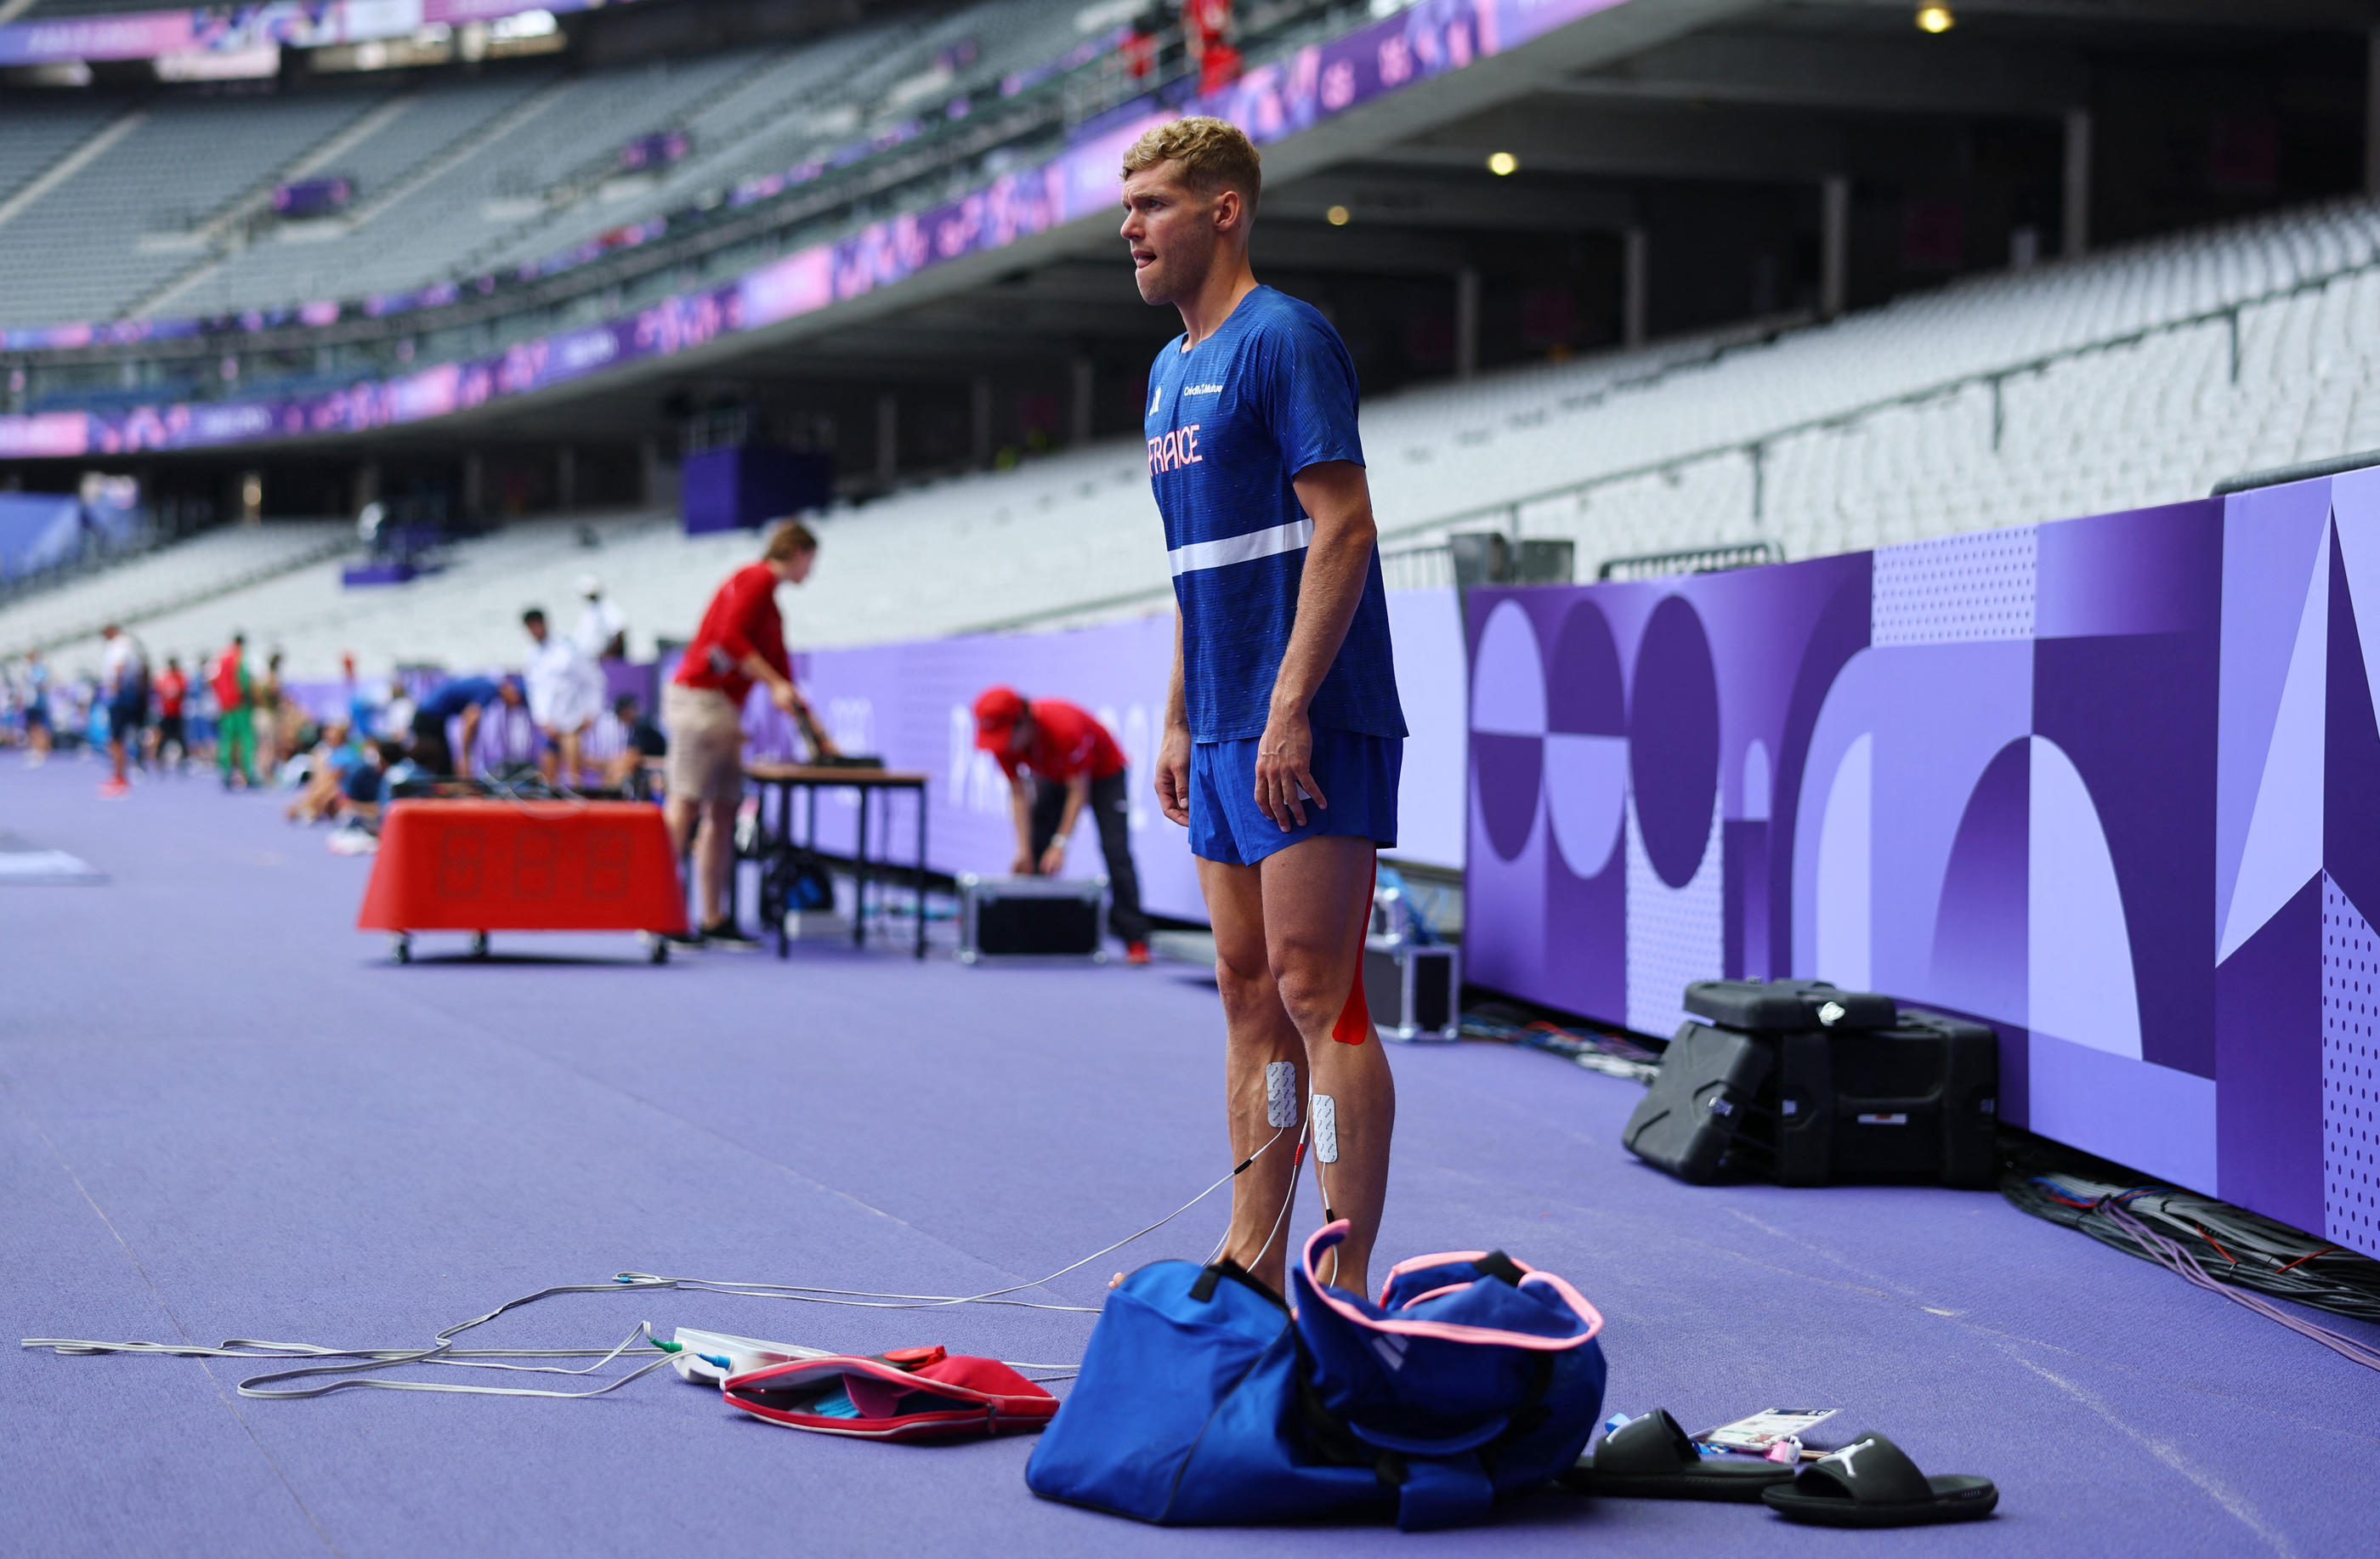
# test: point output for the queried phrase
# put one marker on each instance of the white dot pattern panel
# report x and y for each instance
(1955, 590)
(1675, 935)
(2350, 1063)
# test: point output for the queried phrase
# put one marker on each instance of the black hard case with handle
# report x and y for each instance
(1784, 1006)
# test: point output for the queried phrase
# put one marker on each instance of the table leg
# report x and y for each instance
(863, 876)
(921, 871)
(785, 848)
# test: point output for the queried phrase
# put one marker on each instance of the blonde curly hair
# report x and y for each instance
(1213, 153)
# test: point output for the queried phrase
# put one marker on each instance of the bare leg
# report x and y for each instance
(682, 814)
(1285, 972)
(714, 858)
(1256, 1032)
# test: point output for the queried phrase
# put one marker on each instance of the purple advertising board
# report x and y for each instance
(1274, 101)
(2111, 784)
(114, 35)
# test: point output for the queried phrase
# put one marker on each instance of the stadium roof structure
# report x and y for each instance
(1388, 144)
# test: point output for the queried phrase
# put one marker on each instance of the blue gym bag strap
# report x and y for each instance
(1438, 1494)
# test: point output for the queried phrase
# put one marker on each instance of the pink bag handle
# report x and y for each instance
(1332, 1233)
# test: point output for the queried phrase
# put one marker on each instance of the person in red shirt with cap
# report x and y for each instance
(741, 641)
(1074, 765)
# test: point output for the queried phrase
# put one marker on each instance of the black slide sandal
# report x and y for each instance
(1652, 1458)
(1872, 1482)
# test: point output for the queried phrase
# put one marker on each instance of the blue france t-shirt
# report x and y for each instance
(1231, 422)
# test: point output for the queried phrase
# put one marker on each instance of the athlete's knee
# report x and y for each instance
(1242, 973)
(1311, 977)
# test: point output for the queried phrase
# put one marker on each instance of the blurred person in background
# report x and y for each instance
(566, 694)
(341, 748)
(465, 699)
(124, 679)
(740, 643)
(602, 633)
(235, 727)
(641, 743)
(272, 720)
(173, 688)
(395, 721)
(36, 683)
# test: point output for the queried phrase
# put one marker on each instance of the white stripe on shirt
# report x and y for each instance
(1241, 549)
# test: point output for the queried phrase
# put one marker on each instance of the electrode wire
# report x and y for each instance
(358, 1362)
(871, 1299)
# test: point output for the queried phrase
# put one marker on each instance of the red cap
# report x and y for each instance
(997, 710)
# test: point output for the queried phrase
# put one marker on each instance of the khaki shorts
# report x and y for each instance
(706, 744)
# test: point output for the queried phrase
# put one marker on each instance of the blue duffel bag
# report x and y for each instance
(1202, 1401)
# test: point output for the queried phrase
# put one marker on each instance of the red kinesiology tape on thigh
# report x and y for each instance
(1355, 1025)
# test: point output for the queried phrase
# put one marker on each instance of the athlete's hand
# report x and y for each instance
(1023, 865)
(1174, 775)
(788, 698)
(1053, 859)
(1285, 769)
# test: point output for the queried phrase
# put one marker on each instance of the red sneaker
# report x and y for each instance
(1135, 952)
(114, 788)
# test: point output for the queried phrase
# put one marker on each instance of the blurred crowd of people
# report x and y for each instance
(340, 748)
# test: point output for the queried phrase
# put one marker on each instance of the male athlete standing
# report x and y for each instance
(1284, 736)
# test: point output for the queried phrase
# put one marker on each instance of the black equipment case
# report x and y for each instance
(1784, 1006)
(1916, 1099)
(1032, 918)
(1689, 1120)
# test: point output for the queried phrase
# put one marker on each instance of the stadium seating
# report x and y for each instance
(132, 217)
(458, 177)
(2111, 382)
(214, 566)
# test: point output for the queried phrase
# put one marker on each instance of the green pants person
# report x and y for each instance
(235, 745)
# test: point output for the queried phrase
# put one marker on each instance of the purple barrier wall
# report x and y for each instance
(2108, 784)
(911, 703)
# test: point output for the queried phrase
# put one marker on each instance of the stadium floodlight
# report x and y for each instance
(1934, 17)
(1335, 216)
(1502, 162)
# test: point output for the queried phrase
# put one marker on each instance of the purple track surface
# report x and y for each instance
(223, 1113)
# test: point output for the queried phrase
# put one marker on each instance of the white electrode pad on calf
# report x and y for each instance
(1281, 1094)
(1325, 1129)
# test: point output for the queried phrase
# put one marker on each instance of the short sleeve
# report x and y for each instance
(1311, 394)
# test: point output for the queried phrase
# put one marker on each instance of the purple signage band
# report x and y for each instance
(1272, 102)
(2110, 785)
(305, 24)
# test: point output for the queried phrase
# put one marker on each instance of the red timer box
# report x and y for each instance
(482, 866)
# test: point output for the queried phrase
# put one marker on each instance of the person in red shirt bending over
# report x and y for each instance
(1074, 765)
(741, 641)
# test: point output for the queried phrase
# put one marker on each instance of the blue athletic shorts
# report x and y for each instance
(1358, 773)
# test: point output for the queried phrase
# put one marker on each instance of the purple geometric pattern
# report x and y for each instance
(1672, 932)
(2111, 784)
(1951, 589)
(2350, 1066)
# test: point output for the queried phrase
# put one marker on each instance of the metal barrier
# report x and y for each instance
(1691, 560)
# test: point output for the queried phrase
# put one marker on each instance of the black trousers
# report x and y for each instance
(1110, 806)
